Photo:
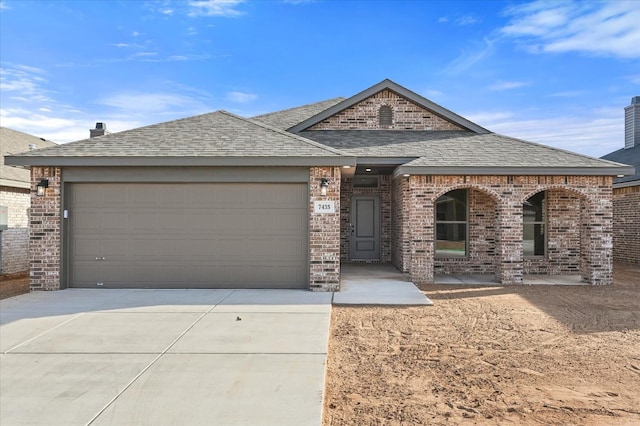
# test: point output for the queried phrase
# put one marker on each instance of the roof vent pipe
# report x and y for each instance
(632, 123)
(100, 130)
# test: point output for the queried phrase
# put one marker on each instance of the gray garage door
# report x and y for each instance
(188, 235)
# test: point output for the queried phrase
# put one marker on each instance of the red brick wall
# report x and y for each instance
(400, 232)
(44, 221)
(324, 232)
(580, 226)
(406, 116)
(626, 224)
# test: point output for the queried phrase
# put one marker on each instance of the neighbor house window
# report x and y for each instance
(535, 225)
(451, 223)
(385, 115)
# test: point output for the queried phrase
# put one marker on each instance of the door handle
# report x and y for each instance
(100, 258)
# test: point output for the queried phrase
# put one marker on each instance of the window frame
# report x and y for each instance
(545, 226)
(436, 222)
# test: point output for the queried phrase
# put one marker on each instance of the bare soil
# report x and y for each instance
(518, 355)
(13, 285)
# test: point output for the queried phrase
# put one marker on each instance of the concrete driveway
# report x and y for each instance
(163, 357)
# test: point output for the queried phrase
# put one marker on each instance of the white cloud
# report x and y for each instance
(508, 85)
(599, 28)
(596, 132)
(141, 104)
(135, 34)
(23, 83)
(443, 19)
(4, 5)
(240, 97)
(465, 20)
(225, 8)
(467, 58)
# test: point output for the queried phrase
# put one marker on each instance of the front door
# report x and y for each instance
(365, 228)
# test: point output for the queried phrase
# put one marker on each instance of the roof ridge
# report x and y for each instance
(337, 98)
(291, 135)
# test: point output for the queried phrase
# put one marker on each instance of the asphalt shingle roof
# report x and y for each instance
(14, 142)
(452, 149)
(630, 156)
(288, 118)
(217, 134)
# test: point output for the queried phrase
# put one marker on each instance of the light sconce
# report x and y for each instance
(41, 187)
(324, 184)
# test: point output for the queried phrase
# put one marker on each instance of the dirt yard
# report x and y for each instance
(14, 286)
(534, 355)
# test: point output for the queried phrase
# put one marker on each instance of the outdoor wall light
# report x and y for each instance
(324, 184)
(42, 186)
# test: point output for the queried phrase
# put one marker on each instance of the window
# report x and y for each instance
(385, 115)
(535, 224)
(451, 224)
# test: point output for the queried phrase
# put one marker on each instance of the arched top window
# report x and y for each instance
(451, 223)
(385, 115)
(534, 212)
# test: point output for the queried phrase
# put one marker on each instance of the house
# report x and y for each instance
(15, 196)
(280, 200)
(626, 190)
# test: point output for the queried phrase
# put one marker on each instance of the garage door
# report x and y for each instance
(188, 235)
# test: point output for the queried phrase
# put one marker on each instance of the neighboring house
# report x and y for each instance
(15, 196)
(626, 190)
(280, 200)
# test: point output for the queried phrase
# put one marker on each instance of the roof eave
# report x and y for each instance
(503, 171)
(15, 183)
(310, 161)
(626, 184)
(402, 91)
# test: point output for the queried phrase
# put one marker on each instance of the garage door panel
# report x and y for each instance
(193, 235)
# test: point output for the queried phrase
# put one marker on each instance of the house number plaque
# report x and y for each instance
(324, 207)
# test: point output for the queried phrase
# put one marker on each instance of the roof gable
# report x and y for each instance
(360, 112)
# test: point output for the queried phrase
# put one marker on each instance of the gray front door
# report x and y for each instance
(365, 228)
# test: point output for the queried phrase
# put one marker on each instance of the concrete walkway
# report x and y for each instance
(163, 357)
(376, 284)
(490, 279)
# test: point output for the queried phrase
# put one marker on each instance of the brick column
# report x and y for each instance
(44, 232)
(509, 265)
(421, 223)
(324, 232)
(600, 241)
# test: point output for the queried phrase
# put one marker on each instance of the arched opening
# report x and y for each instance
(555, 234)
(465, 233)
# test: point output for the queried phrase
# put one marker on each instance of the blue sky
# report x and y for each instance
(557, 73)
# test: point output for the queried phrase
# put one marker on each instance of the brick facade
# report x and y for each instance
(45, 235)
(405, 116)
(324, 232)
(579, 226)
(626, 224)
(15, 239)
